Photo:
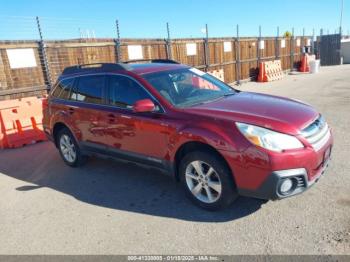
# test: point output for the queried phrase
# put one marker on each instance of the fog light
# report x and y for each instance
(286, 185)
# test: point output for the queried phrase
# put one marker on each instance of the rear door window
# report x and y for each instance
(90, 89)
(63, 89)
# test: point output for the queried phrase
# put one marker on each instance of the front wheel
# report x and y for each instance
(207, 180)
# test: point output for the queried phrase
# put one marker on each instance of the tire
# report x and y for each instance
(72, 155)
(202, 171)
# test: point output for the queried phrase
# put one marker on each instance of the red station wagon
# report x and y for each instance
(217, 141)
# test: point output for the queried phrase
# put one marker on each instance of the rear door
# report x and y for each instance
(59, 102)
(88, 109)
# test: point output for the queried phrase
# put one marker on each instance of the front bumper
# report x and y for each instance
(270, 189)
(258, 173)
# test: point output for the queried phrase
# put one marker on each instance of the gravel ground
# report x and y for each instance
(119, 208)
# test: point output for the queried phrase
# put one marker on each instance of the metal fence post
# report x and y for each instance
(238, 57)
(258, 46)
(169, 54)
(276, 43)
(313, 41)
(44, 61)
(319, 45)
(206, 48)
(292, 50)
(117, 42)
(303, 49)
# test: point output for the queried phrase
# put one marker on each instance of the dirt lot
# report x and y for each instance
(119, 208)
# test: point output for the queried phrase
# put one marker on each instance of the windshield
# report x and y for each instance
(188, 87)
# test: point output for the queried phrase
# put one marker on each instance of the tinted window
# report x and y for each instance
(63, 88)
(90, 89)
(124, 92)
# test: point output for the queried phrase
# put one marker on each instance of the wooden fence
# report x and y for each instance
(239, 58)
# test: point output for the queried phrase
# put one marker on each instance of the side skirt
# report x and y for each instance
(102, 151)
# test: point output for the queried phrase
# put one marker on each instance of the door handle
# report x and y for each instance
(70, 110)
(94, 124)
(125, 116)
(111, 118)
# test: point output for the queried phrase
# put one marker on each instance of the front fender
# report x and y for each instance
(214, 138)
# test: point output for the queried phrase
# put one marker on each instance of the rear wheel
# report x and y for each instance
(69, 149)
(207, 180)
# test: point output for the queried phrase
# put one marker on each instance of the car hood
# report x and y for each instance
(273, 112)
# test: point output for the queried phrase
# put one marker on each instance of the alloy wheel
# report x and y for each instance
(203, 181)
(68, 148)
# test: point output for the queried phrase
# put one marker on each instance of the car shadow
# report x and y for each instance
(112, 184)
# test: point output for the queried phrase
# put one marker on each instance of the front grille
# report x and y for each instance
(317, 133)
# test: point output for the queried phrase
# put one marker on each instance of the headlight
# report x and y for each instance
(269, 139)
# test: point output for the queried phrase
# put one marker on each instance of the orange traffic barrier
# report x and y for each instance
(21, 122)
(304, 66)
(270, 71)
(203, 84)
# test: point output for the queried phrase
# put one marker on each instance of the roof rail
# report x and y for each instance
(162, 61)
(96, 67)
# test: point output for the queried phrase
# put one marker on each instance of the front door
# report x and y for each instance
(140, 135)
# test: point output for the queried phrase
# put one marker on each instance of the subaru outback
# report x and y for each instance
(217, 141)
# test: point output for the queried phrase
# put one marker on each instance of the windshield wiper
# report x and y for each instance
(209, 100)
(229, 94)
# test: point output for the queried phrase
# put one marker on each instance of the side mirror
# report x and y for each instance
(144, 105)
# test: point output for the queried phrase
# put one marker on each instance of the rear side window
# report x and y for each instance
(90, 89)
(63, 88)
(124, 92)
